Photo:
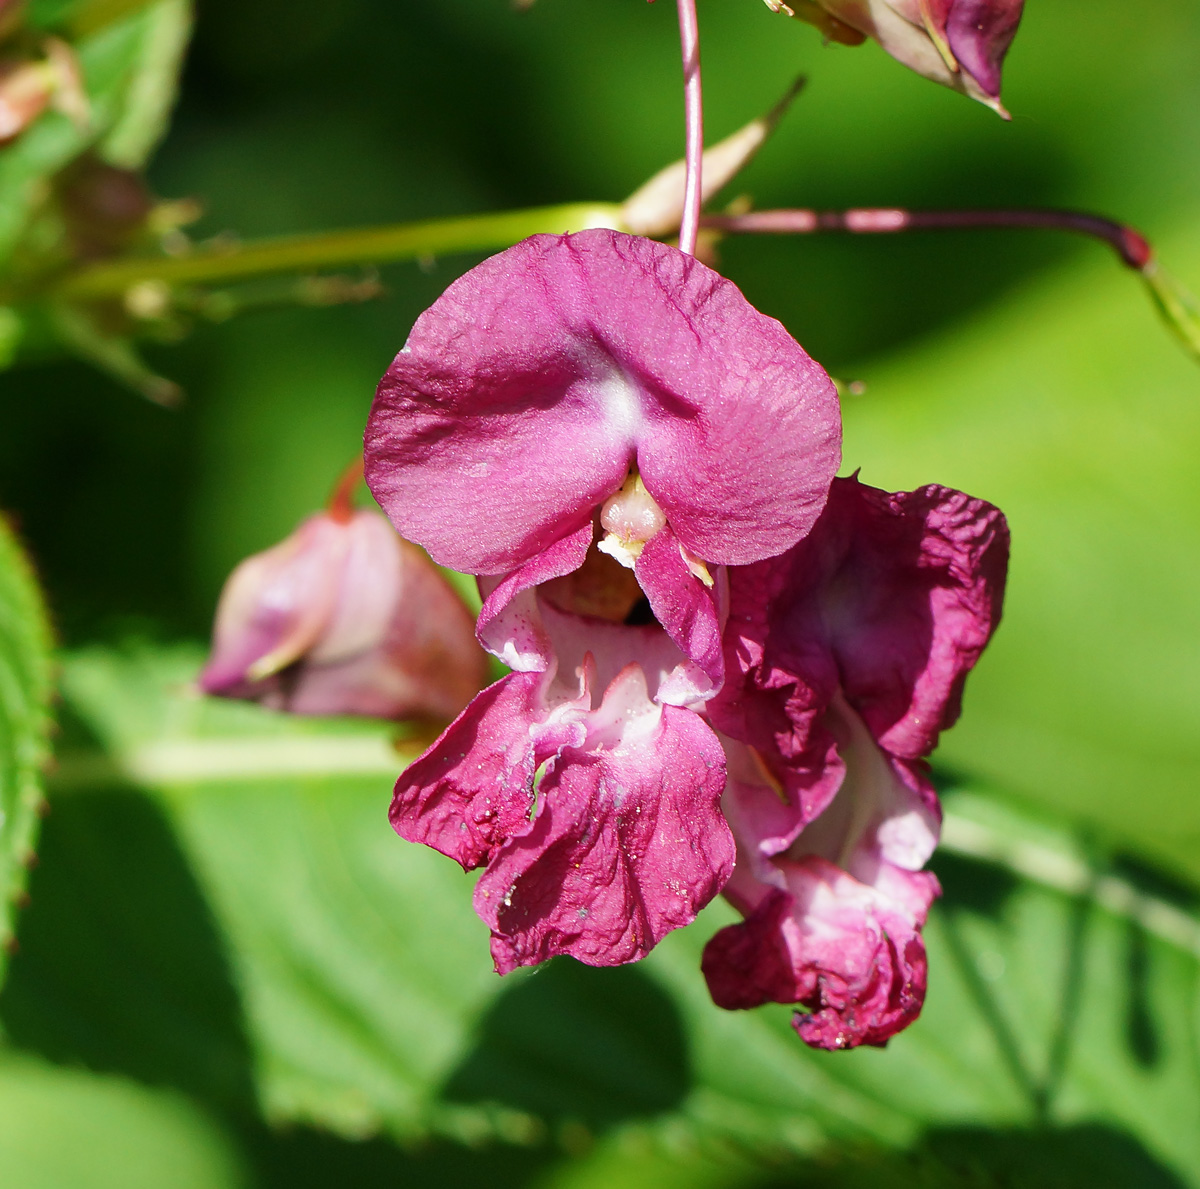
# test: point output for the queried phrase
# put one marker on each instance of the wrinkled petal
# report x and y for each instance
(891, 598)
(914, 605)
(525, 393)
(473, 789)
(848, 952)
(627, 843)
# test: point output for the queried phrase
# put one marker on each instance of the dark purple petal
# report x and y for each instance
(890, 597)
(913, 606)
(979, 33)
(628, 843)
(528, 389)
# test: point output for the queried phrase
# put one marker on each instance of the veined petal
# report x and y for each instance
(526, 392)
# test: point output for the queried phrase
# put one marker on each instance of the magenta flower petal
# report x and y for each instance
(509, 624)
(627, 844)
(918, 597)
(979, 33)
(688, 610)
(526, 392)
(850, 953)
(473, 789)
(891, 597)
(845, 657)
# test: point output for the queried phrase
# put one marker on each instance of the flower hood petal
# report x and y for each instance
(529, 388)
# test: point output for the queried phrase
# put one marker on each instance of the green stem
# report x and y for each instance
(334, 249)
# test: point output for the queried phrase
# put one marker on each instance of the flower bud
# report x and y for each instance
(26, 89)
(656, 207)
(960, 43)
(344, 617)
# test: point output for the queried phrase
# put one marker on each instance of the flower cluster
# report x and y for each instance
(728, 666)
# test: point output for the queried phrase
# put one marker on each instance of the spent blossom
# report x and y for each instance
(845, 659)
(599, 427)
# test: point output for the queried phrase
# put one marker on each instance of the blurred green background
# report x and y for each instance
(227, 981)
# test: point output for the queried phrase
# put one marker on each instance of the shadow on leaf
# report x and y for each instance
(575, 1043)
(1084, 1156)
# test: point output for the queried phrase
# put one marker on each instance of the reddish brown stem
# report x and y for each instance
(341, 499)
(1125, 241)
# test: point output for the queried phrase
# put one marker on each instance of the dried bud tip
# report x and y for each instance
(656, 208)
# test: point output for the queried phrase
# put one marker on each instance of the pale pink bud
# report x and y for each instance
(26, 89)
(344, 617)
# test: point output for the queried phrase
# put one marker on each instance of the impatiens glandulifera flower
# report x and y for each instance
(344, 617)
(597, 426)
(961, 43)
(845, 658)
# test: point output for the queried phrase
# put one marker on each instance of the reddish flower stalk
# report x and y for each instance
(693, 103)
(1130, 245)
(340, 506)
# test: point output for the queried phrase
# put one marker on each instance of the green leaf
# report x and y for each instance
(1062, 1013)
(61, 1127)
(24, 723)
(130, 69)
(150, 92)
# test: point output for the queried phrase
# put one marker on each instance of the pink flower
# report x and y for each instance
(344, 617)
(961, 43)
(598, 426)
(846, 657)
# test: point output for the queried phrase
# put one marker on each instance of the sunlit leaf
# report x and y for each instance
(24, 723)
(62, 1128)
(1062, 1009)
